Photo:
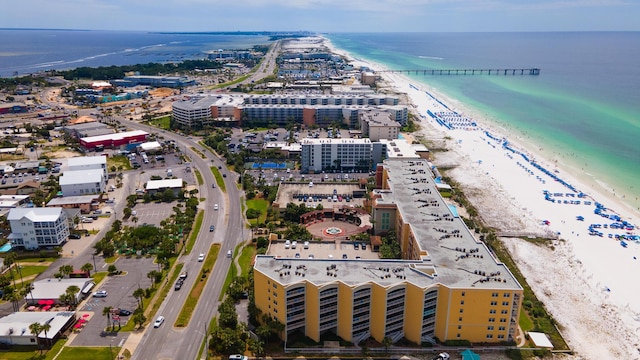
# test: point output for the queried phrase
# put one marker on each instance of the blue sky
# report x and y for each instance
(325, 15)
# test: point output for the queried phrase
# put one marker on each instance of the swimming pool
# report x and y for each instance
(269, 165)
(5, 248)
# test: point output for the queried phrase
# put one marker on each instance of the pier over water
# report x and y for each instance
(519, 71)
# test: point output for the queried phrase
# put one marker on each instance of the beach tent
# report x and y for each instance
(470, 355)
(540, 339)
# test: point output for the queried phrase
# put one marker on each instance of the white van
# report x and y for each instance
(169, 172)
(229, 254)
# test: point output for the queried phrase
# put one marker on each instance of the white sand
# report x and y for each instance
(588, 283)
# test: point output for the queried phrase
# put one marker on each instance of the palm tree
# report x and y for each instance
(46, 327)
(87, 268)
(9, 260)
(139, 294)
(72, 291)
(35, 329)
(106, 311)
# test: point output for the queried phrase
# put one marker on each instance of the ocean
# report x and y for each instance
(24, 52)
(582, 111)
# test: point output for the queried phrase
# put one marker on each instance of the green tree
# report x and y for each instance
(65, 270)
(36, 329)
(87, 267)
(73, 291)
(139, 318)
(106, 311)
(139, 294)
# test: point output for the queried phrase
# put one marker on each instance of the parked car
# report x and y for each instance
(238, 357)
(74, 236)
(100, 294)
(158, 321)
(124, 312)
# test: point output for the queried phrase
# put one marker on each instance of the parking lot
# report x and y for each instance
(120, 290)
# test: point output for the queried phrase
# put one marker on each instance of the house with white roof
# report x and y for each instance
(88, 163)
(14, 328)
(83, 182)
(36, 227)
(49, 290)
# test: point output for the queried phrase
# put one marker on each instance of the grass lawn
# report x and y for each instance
(199, 177)
(37, 260)
(219, 180)
(194, 233)
(247, 254)
(261, 205)
(161, 122)
(118, 161)
(99, 276)
(28, 270)
(196, 290)
(83, 353)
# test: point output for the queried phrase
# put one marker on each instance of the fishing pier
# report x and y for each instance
(520, 71)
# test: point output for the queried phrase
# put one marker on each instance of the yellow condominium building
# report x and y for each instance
(447, 287)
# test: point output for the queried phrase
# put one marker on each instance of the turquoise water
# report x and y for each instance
(582, 110)
(5, 248)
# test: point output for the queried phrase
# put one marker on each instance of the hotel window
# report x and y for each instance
(501, 328)
(503, 312)
(463, 293)
(458, 336)
(492, 319)
(507, 295)
(503, 320)
(500, 336)
(275, 286)
(494, 294)
(489, 336)
(461, 311)
(494, 303)
(492, 311)
(461, 302)
(460, 319)
(490, 328)
(505, 303)
(459, 327)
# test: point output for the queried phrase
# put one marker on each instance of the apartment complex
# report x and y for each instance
(319, 110)
(377, 125)
(32, 228)
(448, 286)
(319, 155)
(83, 182)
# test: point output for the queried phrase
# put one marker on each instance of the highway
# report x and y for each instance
(167, 342)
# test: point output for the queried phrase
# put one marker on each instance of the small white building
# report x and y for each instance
(51, 289)
(14, 328)
(32, 228)
(83, 182)
(150, 147)
(156, 186)
(88, 163)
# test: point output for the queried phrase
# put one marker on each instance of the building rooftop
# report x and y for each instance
(74, 177)
(51, 289)
(399, 149)
(35, 214)
(87, 160)
(17, 324)
(163, 184)
(115, 136)
(150, 146)
(378, 118)
(70, 200)
(330, 141)
(10, 201)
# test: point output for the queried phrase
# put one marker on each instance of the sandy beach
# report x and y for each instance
(585, 277)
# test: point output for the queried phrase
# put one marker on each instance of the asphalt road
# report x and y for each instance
(169, 343)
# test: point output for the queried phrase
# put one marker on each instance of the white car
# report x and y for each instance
(201, 258)
(215, 207)
(238, 357)
(158, 321)
(100, 294)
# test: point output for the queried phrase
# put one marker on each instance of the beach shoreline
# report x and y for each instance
(579, 277)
